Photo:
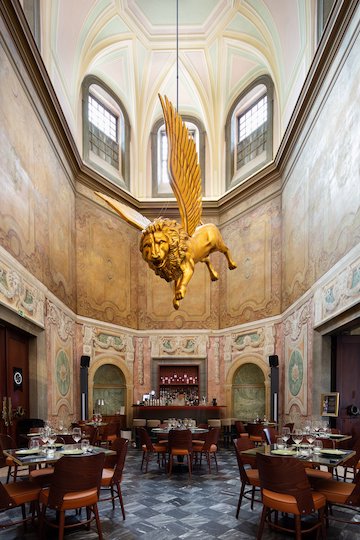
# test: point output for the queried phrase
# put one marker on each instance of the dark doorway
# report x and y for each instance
(347, 376)
(14, 377)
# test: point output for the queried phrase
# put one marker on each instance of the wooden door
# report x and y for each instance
(14, 377)
(347, 379)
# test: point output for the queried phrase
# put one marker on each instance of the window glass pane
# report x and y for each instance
(102, 118)
(250, 121)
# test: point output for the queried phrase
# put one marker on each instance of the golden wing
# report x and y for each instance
(128, 214)
(184, 168)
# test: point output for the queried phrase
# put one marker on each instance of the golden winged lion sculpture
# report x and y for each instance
(171, 249)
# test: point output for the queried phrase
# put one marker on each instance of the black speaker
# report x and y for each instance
(85, 361)
(273, 360)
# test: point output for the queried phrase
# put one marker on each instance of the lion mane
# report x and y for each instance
(178, 246)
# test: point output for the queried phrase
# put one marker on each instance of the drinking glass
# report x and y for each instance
(280, 443)
(44, 434)
(35, 443)
(85, 443)
(297, 437)
(310, 438)
(318, 444)
(76, 434)
(285, 434)
(51, 438)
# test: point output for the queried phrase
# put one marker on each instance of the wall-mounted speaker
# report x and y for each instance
(273, 360)
(85, 361)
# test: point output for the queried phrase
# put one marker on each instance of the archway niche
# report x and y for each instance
(247, 388)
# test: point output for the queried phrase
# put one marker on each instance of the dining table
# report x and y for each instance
(45, 455)
(329, 457)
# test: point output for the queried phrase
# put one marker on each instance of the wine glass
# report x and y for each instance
(85, 443)
(51, 437)
(76, 434)
(297, 437)
(285, 434)
(310, 437)
(318, 445)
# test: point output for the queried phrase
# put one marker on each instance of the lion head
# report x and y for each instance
(163, 245)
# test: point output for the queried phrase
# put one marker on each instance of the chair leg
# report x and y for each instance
(216, 463)
(61, 524)
(118, 487)
(98, 523)
(297, 527)
(252, 497)
(262, 523)
(240, 499)
(112, 496)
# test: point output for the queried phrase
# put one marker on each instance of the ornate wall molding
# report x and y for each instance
(141, 361)
(338, 293)
(18, 293)
(297, 346)
(179, 345)
(216, 348)
(65, 325)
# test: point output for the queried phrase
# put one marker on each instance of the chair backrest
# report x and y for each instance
(239, 426)
(210, 438)
(6, 442)
(90, 433)
(145, 439)
(290, 425)
(120, 446)
(24, 425)
(243, 476)
(286, 475)
(75, 474)
(270, 435)
(255, 430)
(5, 499)
(181, 439)
(354, 498)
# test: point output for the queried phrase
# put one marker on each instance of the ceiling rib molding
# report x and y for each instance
(17, 26)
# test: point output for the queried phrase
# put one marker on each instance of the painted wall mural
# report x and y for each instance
(297, 331)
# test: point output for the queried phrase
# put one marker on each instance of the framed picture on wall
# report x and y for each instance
(330, 404)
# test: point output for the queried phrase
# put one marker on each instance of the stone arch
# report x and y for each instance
(106, 358)
(243, 359)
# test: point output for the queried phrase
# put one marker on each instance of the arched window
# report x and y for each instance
(159, 154)
(248, 392)
(109, 390)
(106, 132)
(248, 131)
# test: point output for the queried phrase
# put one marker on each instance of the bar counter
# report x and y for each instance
(200, 413)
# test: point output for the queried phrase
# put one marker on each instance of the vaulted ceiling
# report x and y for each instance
(223, 46)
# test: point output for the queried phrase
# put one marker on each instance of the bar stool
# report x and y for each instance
(137, 422)
(226, 424)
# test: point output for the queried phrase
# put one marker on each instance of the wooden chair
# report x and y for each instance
(286, 488)
(75, 483)
(249, 477)
(180, 444)
(149, 448)
(112, 475)
(90, 432)
(341, 494)
(270, 435)
(208, 447)
(8, 443)
(19, 494)
(240, 429)
(352, 464)
(256, 433)
(109, 434)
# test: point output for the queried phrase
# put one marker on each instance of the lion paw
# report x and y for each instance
(232, 265)
(176, 303)
(214, 276)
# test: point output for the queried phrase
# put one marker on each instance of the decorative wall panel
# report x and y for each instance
(252, 291)
(37, 201)
(106, 264)
(297, 332)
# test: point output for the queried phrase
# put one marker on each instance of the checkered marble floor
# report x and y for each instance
(160, 507)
